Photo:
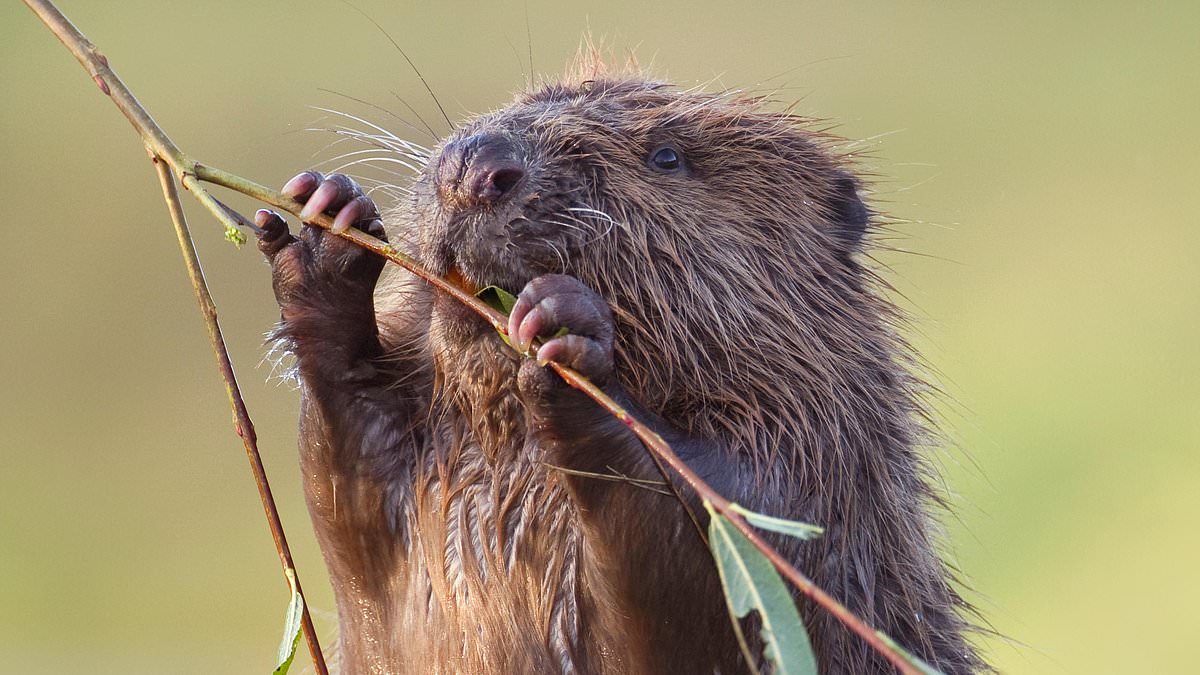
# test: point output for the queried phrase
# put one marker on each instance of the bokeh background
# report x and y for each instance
(1045, 159)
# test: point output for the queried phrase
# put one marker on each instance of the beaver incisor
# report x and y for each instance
(704, 254)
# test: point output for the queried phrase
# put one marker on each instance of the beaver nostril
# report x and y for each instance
(496, 180)
(506, 179)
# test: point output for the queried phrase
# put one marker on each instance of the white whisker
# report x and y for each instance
(359, 120)
(385, 160)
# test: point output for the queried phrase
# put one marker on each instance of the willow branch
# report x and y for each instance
(192, 174)
(163, 153)
(264, 194)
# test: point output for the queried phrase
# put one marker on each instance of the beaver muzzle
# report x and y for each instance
(478, 171)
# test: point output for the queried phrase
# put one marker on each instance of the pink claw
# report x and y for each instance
(551, 351)
(519, 310)
(346, 217)
(529, 328)
(319, 201)
(298, 185)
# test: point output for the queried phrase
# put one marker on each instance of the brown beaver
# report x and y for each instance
(479, 516)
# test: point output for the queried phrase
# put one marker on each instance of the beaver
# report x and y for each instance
(699, 256)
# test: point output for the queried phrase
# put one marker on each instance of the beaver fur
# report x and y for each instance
(705, 254)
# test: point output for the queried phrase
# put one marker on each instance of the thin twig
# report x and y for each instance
(216, 176)
(242, 423)
(191, 173)
(160, 148)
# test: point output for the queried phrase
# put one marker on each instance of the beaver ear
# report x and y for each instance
(850, 214)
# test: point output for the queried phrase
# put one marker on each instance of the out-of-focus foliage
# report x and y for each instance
(1045, 157)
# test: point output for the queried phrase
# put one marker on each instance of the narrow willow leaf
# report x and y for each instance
(291, 629)
(924, 668)
(751, 583)
(794, 528)
(498, 299)
(502, 301)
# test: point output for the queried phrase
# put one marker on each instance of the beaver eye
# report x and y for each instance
(666, 159)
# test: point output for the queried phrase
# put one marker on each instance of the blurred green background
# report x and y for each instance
(1045, 157)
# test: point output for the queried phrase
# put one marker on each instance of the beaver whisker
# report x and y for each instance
(596, 238)
(372, 146)
(596, 212)
(368, 162)
(375, 140)
(390, 190)
(385, 132)
(428, 130)
(403, 151)
(607, 218)
(341, 138)
(381, 170)
(562, 256)
(385, 160)
(379, 183)
(355, 153)
(562, 223)
(384, 182)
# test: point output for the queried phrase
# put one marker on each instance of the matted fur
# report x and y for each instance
(744, 319)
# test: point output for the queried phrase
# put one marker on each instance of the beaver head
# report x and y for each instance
(722, 232)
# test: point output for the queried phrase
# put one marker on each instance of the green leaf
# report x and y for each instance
(499, 299)
(291, 629)
(502, 301)
(793, 528)
(913, 661)
(234, 236)
(751, 583)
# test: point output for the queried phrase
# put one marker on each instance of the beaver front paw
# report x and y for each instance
(319, 263)
(575, 326)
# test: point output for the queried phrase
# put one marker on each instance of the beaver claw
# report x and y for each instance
(317, 260)
(548, 305)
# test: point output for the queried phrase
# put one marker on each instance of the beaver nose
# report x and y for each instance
(491, 180)
(479, 170)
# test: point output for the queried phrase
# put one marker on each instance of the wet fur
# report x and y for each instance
(747, 330)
